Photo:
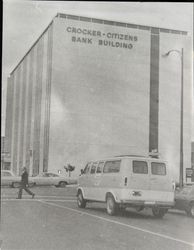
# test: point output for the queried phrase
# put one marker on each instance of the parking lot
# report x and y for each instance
(53, 221)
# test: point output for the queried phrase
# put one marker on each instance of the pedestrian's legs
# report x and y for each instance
(28, 191)
(20, 192)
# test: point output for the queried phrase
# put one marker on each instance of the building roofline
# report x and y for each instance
(100, 21)
(117, 23)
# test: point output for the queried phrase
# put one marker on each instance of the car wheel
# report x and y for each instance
(62, 184)
(15, 184)
(81, 202)
(111, 205)
(159, 212)
(190, 210)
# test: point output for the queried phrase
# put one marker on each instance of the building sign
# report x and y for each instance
(107, 39)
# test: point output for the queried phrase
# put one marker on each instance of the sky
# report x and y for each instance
(24, 21)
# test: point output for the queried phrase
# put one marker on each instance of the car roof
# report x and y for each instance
(49, 173)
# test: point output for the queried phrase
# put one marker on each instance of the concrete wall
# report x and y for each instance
(29, 124)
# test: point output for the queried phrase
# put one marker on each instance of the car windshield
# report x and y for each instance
(53, 175)
(46, 175)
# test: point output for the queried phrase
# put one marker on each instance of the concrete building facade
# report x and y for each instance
(91, 88)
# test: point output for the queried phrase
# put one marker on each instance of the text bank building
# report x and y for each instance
(91, 88)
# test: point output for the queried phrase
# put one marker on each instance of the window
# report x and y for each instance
(99, 168)
(87, 168)
(140, 167)
(45, 175)
(158, 168)
(53, 175)
(112, 167)
(93, 168)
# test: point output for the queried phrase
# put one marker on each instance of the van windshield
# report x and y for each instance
(158, 168)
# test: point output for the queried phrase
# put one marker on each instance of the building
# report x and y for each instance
(91, 88)
(5, 155)
(192, 160)
(2, 151)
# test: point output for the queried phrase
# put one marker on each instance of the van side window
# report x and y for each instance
(140, 167)
(158, 168)
(99, 168)
(112, 166)
(93, 168)
(86, 169)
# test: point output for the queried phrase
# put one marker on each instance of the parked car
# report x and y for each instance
(184, 199)
(9, 179)
(48, 178)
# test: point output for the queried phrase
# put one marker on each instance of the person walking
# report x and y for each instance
(24, 184)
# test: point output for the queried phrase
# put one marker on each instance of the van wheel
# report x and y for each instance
(190, 210)
(111, 205)
(159, 212)
(80, 200)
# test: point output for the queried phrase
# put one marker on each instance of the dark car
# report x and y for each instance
(184, 199)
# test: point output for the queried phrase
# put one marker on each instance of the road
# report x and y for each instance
(53, 221)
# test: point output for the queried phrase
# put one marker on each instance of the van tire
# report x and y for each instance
(159, 212)
(81, 202)
(111, 205)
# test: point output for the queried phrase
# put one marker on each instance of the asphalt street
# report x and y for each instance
(53, 221)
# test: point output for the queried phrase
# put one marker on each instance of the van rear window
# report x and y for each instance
(140, 167)
(112, 167)
(158, 168)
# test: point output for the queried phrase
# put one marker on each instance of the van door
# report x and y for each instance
(139, 180)
(84, 180)
(160, 184)
(92, 192)
(110, 178)
(98, 189)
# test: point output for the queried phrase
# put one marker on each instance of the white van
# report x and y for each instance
(127, 181)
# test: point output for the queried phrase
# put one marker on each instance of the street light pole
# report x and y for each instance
(181, 53)
(181, 133)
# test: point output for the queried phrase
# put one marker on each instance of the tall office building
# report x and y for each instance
(91, 88)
